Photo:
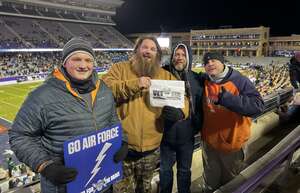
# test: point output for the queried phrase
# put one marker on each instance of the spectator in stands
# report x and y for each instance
(230, 99)
(290, 112)
(178, 137)
(294, 69)
(130, 81)
(60, 109)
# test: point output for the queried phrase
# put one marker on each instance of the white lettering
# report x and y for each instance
(107, 135)
(90, 190)
(74, 147)
(114, 176)
(88, 142)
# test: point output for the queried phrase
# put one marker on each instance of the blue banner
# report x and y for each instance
(92, 156)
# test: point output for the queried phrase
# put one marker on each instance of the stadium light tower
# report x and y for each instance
(163, 39)
(164, 42)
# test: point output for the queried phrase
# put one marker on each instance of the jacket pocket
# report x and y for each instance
(233, 139)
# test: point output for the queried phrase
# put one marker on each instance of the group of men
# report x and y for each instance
(73, 101)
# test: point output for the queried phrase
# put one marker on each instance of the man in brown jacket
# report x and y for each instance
(130, 82)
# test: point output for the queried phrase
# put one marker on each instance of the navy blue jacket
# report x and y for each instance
(182, 131)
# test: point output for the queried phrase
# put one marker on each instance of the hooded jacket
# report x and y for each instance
(53, 113)
(184, 130)
(294, 70)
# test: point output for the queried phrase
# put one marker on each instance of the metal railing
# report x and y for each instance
(252, 176)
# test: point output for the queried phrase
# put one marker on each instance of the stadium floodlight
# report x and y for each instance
(164, 42)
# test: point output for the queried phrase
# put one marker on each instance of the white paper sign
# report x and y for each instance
(167, 93)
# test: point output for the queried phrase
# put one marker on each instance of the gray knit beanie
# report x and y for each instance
(74, 45)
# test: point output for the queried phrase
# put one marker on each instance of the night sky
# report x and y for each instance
(134, 16)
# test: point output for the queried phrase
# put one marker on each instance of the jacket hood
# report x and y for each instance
(189, 56)
(59, 80)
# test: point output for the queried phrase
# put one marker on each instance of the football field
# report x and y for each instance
(11, 98)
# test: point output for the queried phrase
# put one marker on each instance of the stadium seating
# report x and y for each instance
(17, 32)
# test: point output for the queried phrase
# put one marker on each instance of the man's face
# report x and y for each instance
(80, 66)
(179, 59)
(214, 67)
(148, 50)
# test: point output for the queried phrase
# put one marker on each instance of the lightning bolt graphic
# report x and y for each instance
(99, 159)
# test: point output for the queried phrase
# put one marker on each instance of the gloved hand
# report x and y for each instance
(121, 154)
(172, 114)
(58, 174)
(221, 93)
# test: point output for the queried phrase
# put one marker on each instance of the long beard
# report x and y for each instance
(143, 67)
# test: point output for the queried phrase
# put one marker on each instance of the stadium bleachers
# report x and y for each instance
(36, 33)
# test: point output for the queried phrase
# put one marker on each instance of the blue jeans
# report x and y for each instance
(182, 154)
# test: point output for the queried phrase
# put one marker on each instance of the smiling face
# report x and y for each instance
(80, 65)
(214, 67)
(179, 59)
(148, 50)
(146, 60)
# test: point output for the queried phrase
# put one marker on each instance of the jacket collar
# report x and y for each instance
(60, 76)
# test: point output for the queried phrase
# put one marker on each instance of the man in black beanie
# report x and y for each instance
(229, 101)
(71, 102)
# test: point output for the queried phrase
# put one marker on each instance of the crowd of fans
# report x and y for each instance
(16, 175)
(269, 79)
(12, 64)
(27, 63)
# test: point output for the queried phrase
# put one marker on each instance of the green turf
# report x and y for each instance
(12, 97)
(201, 69)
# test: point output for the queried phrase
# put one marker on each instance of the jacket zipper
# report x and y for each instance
(94, 119)
(92, 112)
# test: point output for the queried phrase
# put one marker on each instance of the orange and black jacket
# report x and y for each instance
(227, 122)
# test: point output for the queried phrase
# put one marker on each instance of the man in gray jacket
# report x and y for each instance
(71, 102)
